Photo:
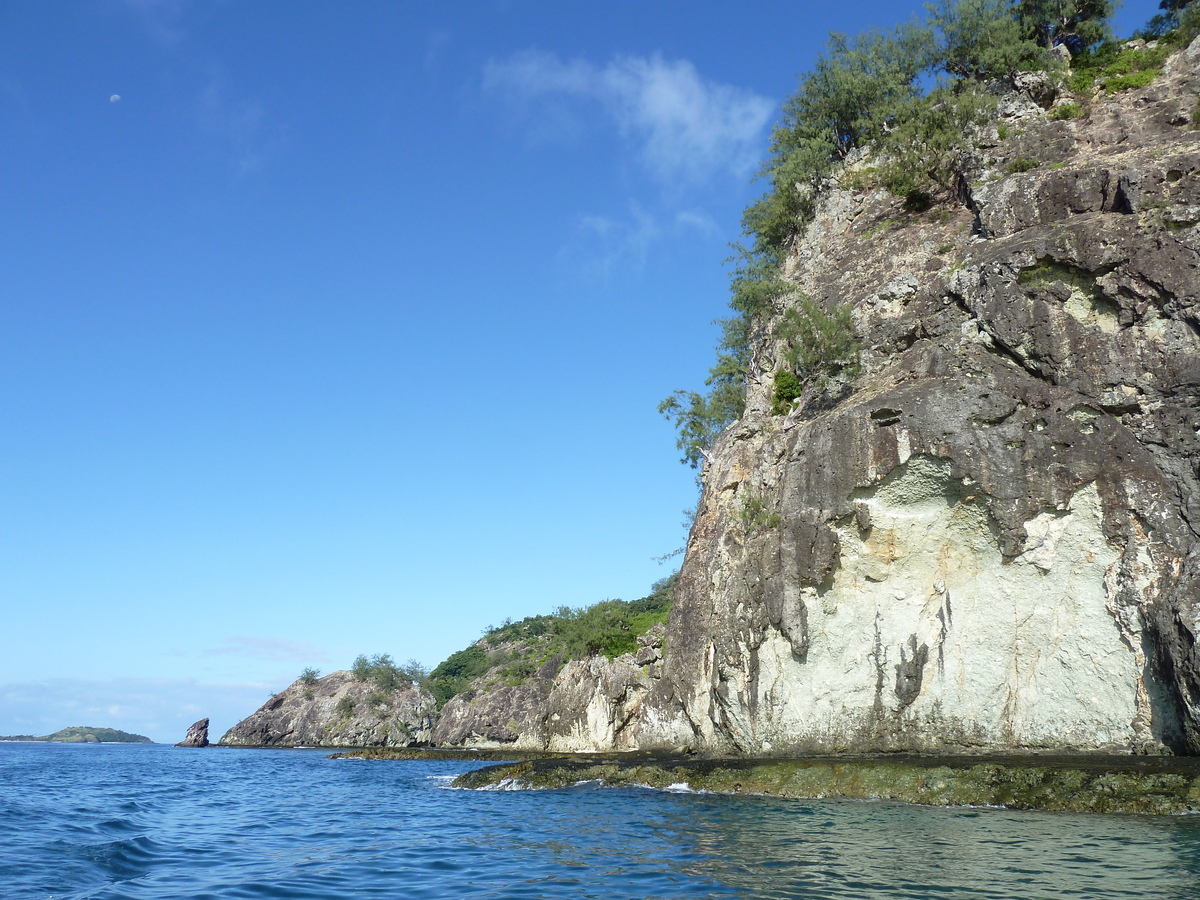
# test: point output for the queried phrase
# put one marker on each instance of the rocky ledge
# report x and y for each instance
(1078, 784)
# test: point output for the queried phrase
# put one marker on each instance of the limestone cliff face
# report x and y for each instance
(989, 540)
(337, 711)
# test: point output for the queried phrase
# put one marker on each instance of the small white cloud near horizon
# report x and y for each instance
(685, 127)
(270, 649)
(114, 98)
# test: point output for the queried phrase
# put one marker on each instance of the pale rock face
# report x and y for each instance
(924, 623)
(989, 542)
(586, 706)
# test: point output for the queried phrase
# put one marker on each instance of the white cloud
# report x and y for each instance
(684, 126)
(271, 649)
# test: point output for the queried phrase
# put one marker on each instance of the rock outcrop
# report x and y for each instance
(197, 735)
(337, 711)
(989, 541)
(587, 705)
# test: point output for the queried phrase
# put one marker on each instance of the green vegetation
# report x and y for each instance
(819, 346)
(309, 676)
(516, 651)
(1077, 24)
(346, 706)
(1117, 68)
(1021, 164)
(381, 670)
(1178, 23)
(1069, 110)
(82, 734)
(909, 98)
(755, 516)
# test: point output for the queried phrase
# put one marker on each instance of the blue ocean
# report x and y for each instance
(129, 821)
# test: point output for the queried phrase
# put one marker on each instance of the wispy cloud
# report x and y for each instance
(161, 19)
(602, 244)
(684, 127)
(606, 243)
(240, 122)
(271, 649)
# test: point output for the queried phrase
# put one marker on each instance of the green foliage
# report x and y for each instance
(456, 672)
(1069, 110)
(755, 516)
(1178, 23)
(382, 671)
(1189, 25)
(1021, 164)
(1077, 24)
(788, 388)
(1116, 68)
(346, 706)
(982, 39)
(514, 651)
(820, 344)
(309, 676)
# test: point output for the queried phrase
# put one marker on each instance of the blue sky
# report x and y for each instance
(330, 329)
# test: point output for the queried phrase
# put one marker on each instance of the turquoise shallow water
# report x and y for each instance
(155, 821)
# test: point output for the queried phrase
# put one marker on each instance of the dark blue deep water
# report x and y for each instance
(153, 821)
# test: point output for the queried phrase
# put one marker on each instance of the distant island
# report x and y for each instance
(82, 734)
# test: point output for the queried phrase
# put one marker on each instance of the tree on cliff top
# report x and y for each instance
(1078, 25)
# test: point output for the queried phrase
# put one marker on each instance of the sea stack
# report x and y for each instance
(197, 735)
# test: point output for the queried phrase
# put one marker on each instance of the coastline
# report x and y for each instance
(1094, 784)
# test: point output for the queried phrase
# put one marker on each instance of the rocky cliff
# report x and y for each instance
(338, 710)
(988, 542)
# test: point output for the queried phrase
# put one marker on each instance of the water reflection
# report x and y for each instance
(867, 849)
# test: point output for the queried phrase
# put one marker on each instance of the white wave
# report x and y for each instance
(681, 787)
(508, 784)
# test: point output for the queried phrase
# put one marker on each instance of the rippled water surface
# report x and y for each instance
(154, 821)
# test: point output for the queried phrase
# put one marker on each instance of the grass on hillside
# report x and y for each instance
(516, 651)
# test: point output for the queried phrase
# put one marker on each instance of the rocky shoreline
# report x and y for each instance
(1099, 784)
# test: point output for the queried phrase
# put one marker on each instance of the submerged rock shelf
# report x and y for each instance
(1142, 785)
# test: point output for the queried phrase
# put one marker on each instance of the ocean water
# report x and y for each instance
(122, 821)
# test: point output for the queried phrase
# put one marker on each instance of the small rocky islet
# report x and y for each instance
(965, 568)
